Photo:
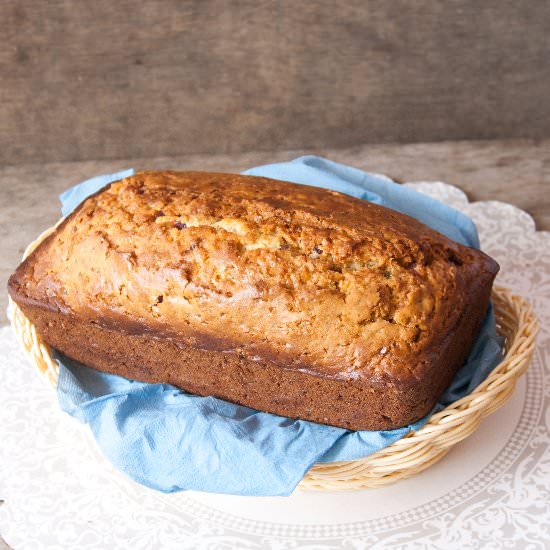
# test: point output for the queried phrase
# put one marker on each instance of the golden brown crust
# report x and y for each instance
(299, 278)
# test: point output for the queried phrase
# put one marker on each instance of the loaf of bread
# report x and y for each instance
(286, 298)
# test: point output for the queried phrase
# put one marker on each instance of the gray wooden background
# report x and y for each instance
(108, 79)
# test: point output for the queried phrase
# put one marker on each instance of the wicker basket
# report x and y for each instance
(408, 456)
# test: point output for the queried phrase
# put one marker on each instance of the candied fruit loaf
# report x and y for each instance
(287, 298)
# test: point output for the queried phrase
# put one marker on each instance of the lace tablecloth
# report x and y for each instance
(491, 491)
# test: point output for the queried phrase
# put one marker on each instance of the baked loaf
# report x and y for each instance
(290, 299)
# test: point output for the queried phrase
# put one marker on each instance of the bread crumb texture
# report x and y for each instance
(308, 278)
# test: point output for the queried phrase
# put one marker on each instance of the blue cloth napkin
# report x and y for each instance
(170, 440)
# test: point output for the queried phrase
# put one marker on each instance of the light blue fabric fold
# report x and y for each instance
(71, 198)
(374, 188)
(169, 440)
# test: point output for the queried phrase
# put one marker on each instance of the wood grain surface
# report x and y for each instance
(516, 171)
(512, 171)
(101, 80)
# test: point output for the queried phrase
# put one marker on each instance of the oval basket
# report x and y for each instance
(408, 456)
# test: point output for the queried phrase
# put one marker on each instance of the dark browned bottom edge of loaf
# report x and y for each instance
(352, 404)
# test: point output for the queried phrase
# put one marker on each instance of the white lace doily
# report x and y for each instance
(491, 491)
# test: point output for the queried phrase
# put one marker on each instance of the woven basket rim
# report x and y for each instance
(407, 456)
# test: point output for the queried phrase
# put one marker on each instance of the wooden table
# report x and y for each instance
(515, 171)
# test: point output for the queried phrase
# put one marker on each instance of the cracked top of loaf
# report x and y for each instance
(307, 278)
